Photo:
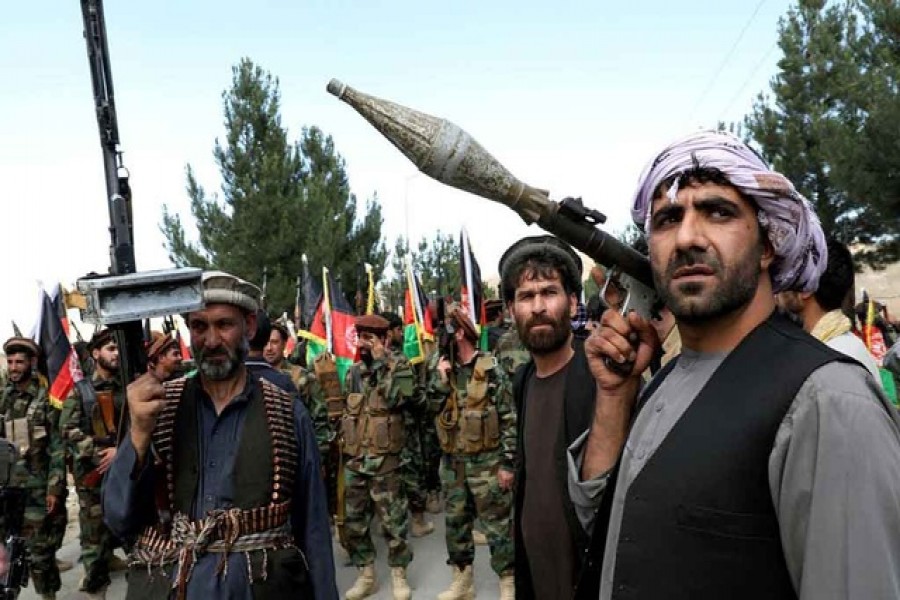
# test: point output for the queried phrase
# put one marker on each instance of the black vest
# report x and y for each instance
(699, 520)
(252, 464)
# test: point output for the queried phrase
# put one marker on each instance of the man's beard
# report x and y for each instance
(545, 341)
(365, 355)
(220, 370)
(108, 365)
(20, 377)
(790, 315)
(695, 303)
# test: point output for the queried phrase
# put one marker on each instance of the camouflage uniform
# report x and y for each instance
(511, 352)
(372, 479)
(416, 451)
(313, 397)
(40, 470)
(482, 444)
(97, 543)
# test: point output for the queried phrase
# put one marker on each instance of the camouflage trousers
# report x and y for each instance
(38, 531)
(59, 520)
(470, 483)
(97, 543)
(364, 495)
(421, 462)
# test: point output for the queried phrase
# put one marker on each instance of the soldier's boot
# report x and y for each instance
(399, 585)
(433, 504)
(365, 584)
(463, 585)
(479, 538)
(420, 527)
(64, 565)
(507, 587)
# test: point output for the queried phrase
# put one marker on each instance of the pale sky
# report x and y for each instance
(573, 97)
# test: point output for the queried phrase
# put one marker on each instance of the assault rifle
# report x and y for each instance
(12, 510)
(123, 299)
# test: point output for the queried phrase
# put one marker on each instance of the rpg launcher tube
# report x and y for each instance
(444, 151)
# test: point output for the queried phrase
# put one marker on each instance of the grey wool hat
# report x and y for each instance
(223, 288)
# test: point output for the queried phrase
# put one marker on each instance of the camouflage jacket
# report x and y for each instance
(511, 352)
(78, 435)
(499, 394)
(42, 465)
(313, 397)
(393, 377)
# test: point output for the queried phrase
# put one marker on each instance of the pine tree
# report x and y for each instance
(824, 121)
(278, 200)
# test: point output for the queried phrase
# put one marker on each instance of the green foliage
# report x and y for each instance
(830, 122)
(279, 200)
(436, 262)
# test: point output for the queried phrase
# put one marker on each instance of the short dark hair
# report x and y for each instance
(263, 332)
(538, 261)
(282, 331)
(837, 280)
(695, 175)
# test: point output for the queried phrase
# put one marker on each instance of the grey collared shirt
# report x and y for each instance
(834, 475)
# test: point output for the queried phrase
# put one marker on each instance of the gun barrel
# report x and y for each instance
(447, 153)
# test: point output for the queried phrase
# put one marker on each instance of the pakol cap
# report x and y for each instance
(21, 344)
(159, 344)
(372, 324)
(222, 288)
(460, 318)
(542, 243)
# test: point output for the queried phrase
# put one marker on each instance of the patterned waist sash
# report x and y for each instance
(222, 531)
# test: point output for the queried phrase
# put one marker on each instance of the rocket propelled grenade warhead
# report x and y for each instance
(447, 153)
(444, 151)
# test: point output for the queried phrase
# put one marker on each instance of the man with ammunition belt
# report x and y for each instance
(89, 421)
(381, 387)
(476, 426)
(219, 474)
(30, 422)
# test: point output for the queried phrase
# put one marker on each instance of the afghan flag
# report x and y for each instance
(344, 340)
(63, 369)
(471, 294)
(416, 319)
(182, 345)
(312, 315)
(332, 326)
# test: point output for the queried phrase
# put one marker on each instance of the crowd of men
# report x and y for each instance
(737, 442)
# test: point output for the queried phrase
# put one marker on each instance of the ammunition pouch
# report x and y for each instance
(353, 424)
(326, 373)
(385, 434)
(368, 428)
(475, 428)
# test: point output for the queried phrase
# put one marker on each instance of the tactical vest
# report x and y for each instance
(327, 376)
(473, 427)
(264, 474)
(368, 426)
(29, 432)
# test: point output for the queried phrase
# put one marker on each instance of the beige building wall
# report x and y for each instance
(883, 286)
